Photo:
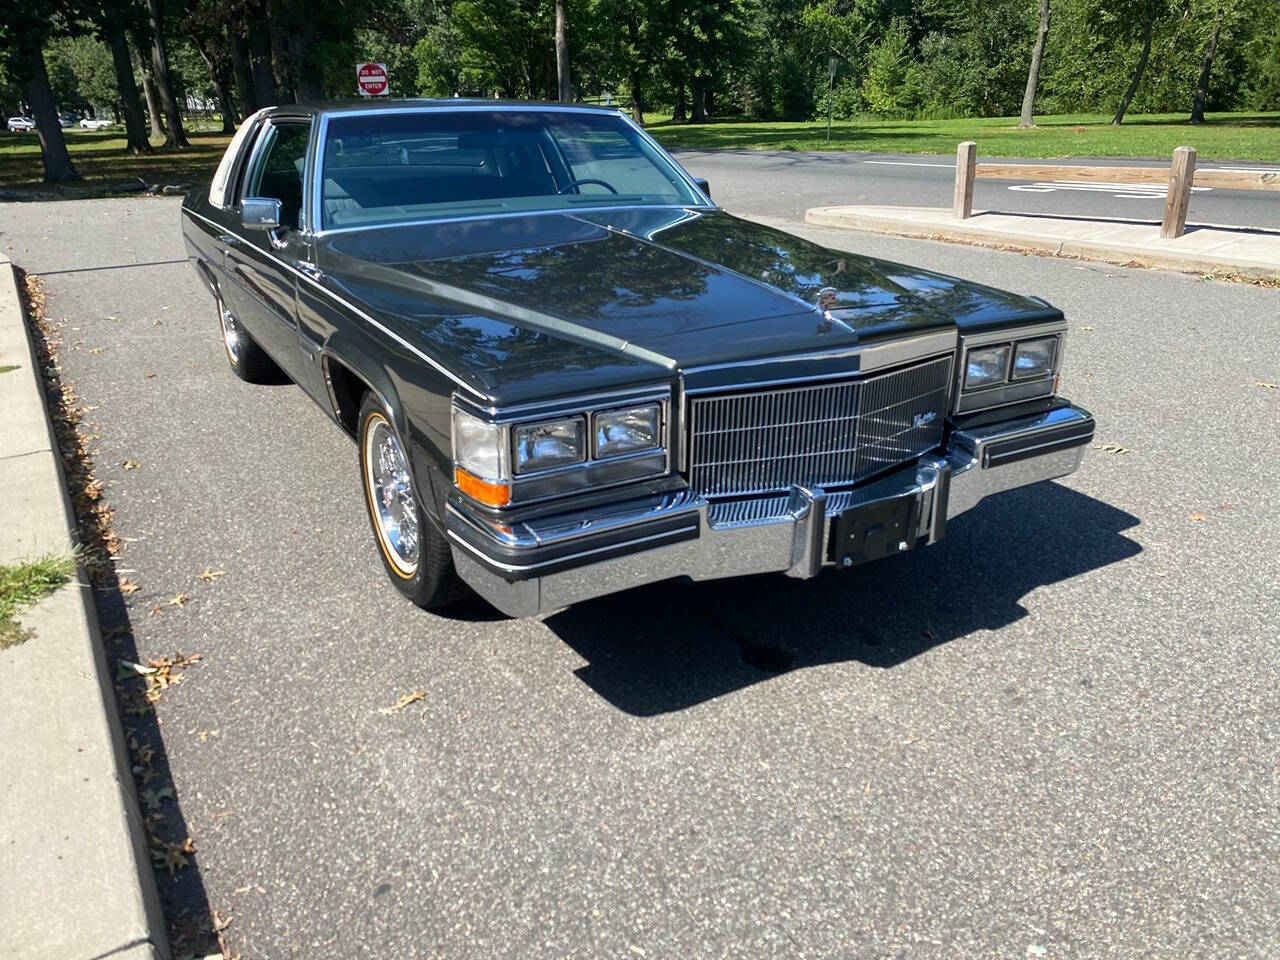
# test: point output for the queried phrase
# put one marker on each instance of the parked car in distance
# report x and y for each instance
(21, 124)
(91, 123)
(568, 372)
(66, 120)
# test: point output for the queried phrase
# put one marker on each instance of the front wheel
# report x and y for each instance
(414, 552)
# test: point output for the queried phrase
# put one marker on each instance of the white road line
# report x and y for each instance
(910, 163)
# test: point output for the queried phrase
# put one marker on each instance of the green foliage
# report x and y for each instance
(22, 584)
(886, 87)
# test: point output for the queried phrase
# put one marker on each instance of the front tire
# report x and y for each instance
(248, 361)
(414, 553)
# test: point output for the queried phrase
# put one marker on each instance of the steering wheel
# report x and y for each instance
(575, 183)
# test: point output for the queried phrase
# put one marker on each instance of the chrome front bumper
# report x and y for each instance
(546, 564)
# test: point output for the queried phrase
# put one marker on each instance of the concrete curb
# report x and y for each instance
(1203, 250)
(75, 879)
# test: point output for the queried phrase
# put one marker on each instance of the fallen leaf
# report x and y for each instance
(220, 922)
(128, 669)
(154, 610)
(1114, 449)
(408, 698)
(245, 889)
(1087, 326)
(1265, 385)
(910, 740)
(129, 587)
(636, 950)
(209, 575)
(1197, 517)
(206, 734)
(95, 349)
(154, 798)
(131, 464)
(178, 600)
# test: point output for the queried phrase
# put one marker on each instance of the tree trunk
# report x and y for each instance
(1202, 85)
(298, 43)
(637, 99)
(174, 136)
(238, 47)
(562, 53)
(264, 81)
(679, 112)
(1140, 69)
(53, 147)
(699, 112)
(135, 126)
(153, 99)
(280, 67)
(1026, 121)
(220, 81)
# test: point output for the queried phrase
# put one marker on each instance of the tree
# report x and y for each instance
(1206, 65)
(562, 54)
(53, 146)
(1026, 121)
(24, 32)
(1148, 16)
(174, 135)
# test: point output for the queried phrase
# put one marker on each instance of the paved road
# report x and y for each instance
(783, 184)
(1054, 734)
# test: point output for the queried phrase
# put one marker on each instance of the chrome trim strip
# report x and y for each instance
(572, 404)
(875, 356)
(525, 568)
(416, 351)
(517, 213)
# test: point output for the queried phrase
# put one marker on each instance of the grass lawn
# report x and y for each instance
(1224, 136)
(22, 584)
(100, 159)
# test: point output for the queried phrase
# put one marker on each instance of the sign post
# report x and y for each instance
(371, 79)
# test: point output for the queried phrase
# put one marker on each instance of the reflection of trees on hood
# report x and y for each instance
(606, 274)
(779, 259)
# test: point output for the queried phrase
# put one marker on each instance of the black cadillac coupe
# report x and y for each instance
(568, 372)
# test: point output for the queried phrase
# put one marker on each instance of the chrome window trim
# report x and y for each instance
(317, 179)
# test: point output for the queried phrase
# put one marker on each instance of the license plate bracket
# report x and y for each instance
(876, 529)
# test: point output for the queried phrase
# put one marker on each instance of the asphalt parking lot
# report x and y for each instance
(1052, 735)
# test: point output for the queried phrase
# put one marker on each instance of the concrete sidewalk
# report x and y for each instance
(1202, 249)
(75, 880)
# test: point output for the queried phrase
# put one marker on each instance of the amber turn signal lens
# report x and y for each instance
(493, 494)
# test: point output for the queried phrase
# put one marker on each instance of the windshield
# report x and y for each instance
(428, 164)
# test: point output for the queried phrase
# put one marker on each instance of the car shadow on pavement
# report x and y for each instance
(673, 645)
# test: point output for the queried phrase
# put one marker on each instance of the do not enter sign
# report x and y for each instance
(371, 79)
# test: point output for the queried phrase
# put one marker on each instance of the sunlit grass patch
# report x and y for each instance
(25, 583)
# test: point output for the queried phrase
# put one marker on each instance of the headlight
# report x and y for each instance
(625, 431)
(986, 366)
(1033, 358)
(478, 446)
(557, 443)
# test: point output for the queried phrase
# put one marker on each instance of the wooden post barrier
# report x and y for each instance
(966, 167)
(1178, 197)
(1178, 179)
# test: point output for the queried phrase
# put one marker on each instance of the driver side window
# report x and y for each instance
(278, 172)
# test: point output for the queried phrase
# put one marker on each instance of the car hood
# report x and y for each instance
(663, 289)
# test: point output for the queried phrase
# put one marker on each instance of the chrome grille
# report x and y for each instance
(831, 433)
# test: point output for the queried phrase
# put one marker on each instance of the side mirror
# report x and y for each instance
(703, 186)
(260, 213)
